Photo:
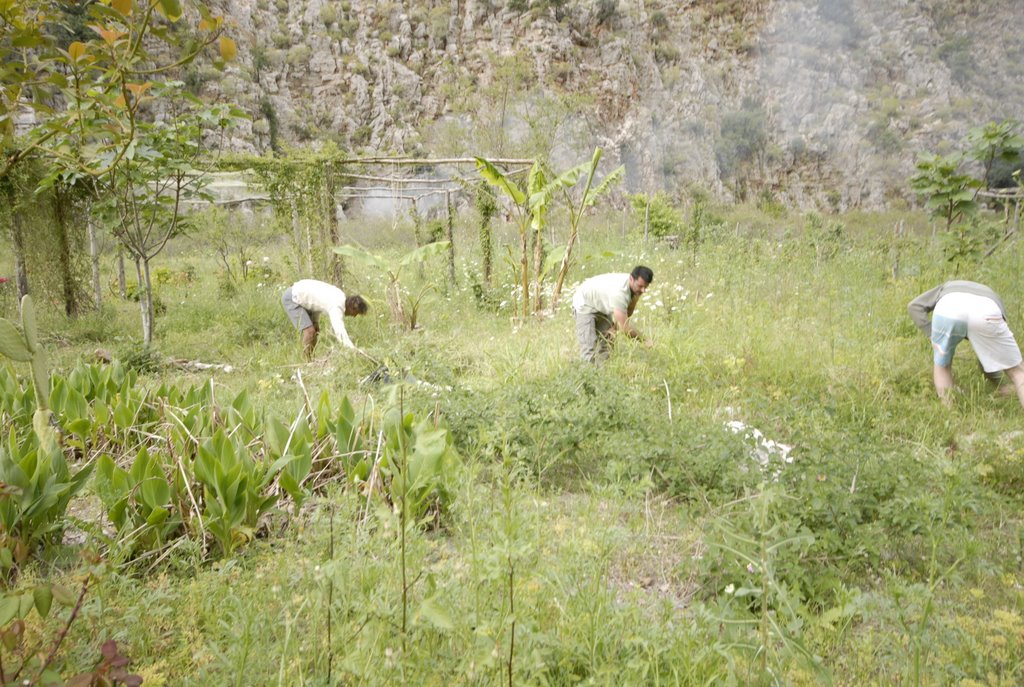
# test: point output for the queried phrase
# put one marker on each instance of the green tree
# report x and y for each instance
(949, 193)
(741, 144)
(86, 89)
(992, 144)
(143, 194)
(405, 309)
(524, 216)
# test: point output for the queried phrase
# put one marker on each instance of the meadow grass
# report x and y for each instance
(607, 529)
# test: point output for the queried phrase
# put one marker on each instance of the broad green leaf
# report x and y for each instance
(28, 323)
(101, 412)
(157, 517)
(43, 598)
(26, 602)
(9, 606)
(12, 343)
(361, 255)
(123, 416)
(170, 9)
(495, 177)
(276, 435)
(155, 492)
(423, 252)
(80, 426)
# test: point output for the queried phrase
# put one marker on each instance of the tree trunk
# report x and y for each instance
(417, 234)
(538, 268)
(524, 268)
(337, 266)
(145, 300)
(61, 205)
(451, 239)
(17, 244)
(122, 281)
(94, 259)
(486, 247)
(563, 269)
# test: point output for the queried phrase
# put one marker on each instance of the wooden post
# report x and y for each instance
(94, 258)
(451, 238)
(647, 219)
(897, 240)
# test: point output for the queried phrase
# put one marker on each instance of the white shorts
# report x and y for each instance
(978, 319)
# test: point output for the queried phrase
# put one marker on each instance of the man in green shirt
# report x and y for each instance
(603, 305)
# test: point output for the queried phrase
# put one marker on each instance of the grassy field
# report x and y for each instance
(601, 525)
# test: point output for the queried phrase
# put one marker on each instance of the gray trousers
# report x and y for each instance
(592, 331)
(299, 316)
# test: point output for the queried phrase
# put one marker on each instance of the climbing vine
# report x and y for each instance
(302, 185)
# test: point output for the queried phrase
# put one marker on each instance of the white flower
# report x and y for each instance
(266, 258)
(659, 304)
(730, 589)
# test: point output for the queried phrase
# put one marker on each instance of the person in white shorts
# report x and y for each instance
(967, 310)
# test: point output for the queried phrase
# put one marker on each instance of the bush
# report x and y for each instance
(658, 213)
(142, 359)
(582, 422)
(743, 137)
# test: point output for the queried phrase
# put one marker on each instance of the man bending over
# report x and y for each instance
(307, 299)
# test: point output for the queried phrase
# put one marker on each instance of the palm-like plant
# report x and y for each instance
(564, 183)
(404, 310)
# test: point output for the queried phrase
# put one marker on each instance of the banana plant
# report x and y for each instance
(524, 216)
(405, 310)
(564, 183)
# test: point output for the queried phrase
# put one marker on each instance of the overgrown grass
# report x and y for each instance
(608, 528)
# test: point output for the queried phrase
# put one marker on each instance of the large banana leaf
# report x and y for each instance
(495, 177)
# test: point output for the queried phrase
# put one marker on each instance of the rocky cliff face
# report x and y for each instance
(817, 102)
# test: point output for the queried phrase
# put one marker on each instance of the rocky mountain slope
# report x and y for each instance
(816, 102)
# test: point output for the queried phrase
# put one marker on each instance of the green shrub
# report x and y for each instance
(141, 359)
(658, 213)
(743, 137)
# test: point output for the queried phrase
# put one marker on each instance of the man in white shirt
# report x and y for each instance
(603, 305)
(307, 299)
(967, 310)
